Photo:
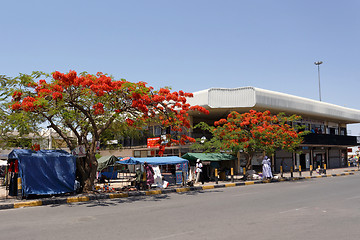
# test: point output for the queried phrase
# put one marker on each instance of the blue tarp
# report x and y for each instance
(46, 171)
(154, 160)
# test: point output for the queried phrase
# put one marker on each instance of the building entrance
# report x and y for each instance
(303, 161)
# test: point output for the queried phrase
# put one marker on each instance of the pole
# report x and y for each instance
(318, 65)
(319, 81)
(19, 188)
(232, 175)
(216, 176)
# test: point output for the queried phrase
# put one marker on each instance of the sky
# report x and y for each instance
(192, 45)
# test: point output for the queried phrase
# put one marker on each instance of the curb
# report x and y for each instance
(87, 198)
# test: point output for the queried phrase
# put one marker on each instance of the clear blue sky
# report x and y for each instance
(192, 45)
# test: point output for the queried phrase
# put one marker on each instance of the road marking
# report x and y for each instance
(154, 192)
(356, 197)
(179, 190)
(77, 199)
(28, 204)
(230, 185)
(174, 235)
(118, 195)
(249, 183)
(292, 210)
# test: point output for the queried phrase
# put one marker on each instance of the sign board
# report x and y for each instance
(179, 177)
(79, 151)
(153, 142)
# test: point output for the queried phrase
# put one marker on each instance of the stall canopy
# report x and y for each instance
(212, 157)
(153, 160)
(45, 171)
(106, 161)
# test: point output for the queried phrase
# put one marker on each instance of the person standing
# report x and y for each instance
(149, 174)
(199, 172)
(138, 177)
(266, 167)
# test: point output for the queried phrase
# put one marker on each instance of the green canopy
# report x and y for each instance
(213, 157)
(106, 161)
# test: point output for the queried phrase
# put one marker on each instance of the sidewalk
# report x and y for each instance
(7, 202)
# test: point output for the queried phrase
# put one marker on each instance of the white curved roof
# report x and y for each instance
(256, 98)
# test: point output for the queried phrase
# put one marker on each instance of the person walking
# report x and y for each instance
(266, 167)
(199, 172)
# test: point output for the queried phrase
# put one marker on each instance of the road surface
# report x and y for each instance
(324, 208)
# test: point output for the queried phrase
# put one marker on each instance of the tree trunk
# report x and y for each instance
(91, 172)
(249, 157)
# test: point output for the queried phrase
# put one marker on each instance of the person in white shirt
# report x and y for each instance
(199, 172)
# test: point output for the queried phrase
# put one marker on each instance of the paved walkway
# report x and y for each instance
(7, 202)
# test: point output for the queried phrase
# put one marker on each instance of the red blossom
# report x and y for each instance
(16, 106)
(35, 147)
(57, 95)
(129, 122)
(17, 95)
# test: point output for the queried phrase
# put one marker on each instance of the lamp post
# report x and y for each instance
(318, 64)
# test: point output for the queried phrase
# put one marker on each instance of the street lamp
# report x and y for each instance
(318, 64)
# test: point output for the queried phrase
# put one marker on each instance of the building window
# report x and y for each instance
(318, 129)
(137, 153)
(343, 131)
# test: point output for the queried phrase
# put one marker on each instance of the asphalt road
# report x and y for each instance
(324, 208)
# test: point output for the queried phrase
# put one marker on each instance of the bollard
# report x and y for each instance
(291, 171)
(216, 176)
(300, 170)
(19, 188)
(311, 169)
(281, 171)
(324, 168)
(232, 174)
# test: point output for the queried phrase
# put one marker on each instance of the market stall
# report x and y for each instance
(41, 172)
(181, 165)
(211, 161)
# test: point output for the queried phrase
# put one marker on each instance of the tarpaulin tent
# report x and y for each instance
(106, 166)
(212, 157)
(45, 172)
(181, 164)
(154, 160)
(106, 161)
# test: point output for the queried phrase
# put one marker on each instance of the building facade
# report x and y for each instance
(326, 144)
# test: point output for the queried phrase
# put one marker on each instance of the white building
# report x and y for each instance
(328, 142)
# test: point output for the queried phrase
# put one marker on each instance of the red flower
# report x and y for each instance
(57, 95)
(35, 147)
(16, 106)
(130, 122)
(99, 108)
(17, 95)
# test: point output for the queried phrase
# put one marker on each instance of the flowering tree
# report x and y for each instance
(87, 105)
(254, 132)
(14, 126)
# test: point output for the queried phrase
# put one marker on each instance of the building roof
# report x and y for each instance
(221, 101)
